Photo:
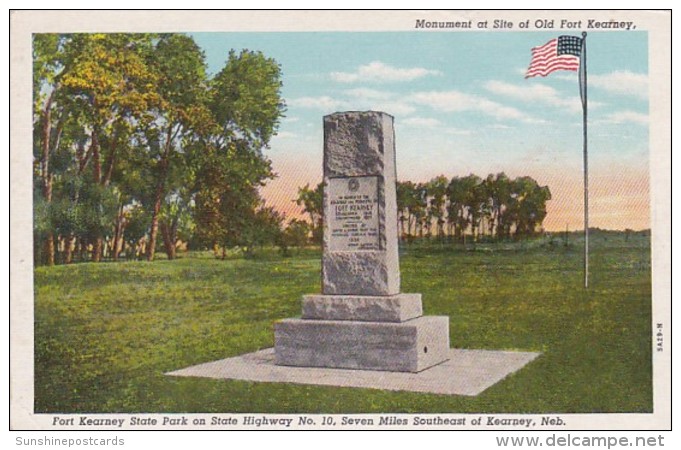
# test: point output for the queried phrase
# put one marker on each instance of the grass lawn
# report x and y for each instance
(106, 333)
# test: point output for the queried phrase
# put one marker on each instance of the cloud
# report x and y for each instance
(535, 93)
(622, 83)
(394, 108)
(324, 103)
(566, 76)
(377, 71)
(458, 131)
(455, 101)
(428, 123)
(286, 135)
(366, 93)
(356, 100)
(626, 117)
(377, 100)
(422, 122)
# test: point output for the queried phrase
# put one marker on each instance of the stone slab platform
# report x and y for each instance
(467, 372)
(410, 346)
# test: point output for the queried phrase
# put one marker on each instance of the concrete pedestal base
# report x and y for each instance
(410, 346)
(466, 372)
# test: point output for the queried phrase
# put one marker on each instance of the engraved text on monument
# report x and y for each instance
(353, 214)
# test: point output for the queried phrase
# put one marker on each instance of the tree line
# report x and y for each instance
(497, 207)
(134, 139)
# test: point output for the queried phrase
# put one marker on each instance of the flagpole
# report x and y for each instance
(583, 93)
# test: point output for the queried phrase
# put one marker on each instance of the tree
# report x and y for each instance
(437, 191)
(179, 66)
(407, 204)
(49, 65)
(498, 189)
(419, 208)
(227, 196)
(176, 221)
(112, 91)
(312, 202)
(472, 201)
(246, 105)
(86, 87)
(296, 234)
(246, 99)
(123, 126)
(529, 205)
(456, 209)
(264, 229)
(136, 226)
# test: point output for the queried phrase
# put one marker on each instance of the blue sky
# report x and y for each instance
(461, 105)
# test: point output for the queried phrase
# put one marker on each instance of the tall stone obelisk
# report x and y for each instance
(361, 320)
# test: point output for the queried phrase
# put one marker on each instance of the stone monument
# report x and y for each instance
(361, 320)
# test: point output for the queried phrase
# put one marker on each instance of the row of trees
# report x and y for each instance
(496, 206)
(133, 138)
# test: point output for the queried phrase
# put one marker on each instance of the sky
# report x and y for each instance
(462, 105)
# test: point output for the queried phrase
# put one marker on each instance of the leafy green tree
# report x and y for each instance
(473, 201)
(135, 229)
(227, 195)
(176, 221)
(420, 209)
(312, 202)
(112, 91)
(246, 100)
(405, 204)
(179, 65)
(499, 196)
(437, 192)
(264, 229)
(456, 208)
(245, 103)
(296, 234)
(49, 65)
(529, 205)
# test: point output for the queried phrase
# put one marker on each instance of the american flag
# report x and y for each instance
(562, 53)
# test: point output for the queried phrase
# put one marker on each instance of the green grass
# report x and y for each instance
(105, 333)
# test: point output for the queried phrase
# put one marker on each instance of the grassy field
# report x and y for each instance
(106, 333)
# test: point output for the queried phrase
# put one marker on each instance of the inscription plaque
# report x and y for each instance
(353, 214)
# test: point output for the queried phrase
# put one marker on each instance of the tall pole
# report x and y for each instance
(582, 85)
